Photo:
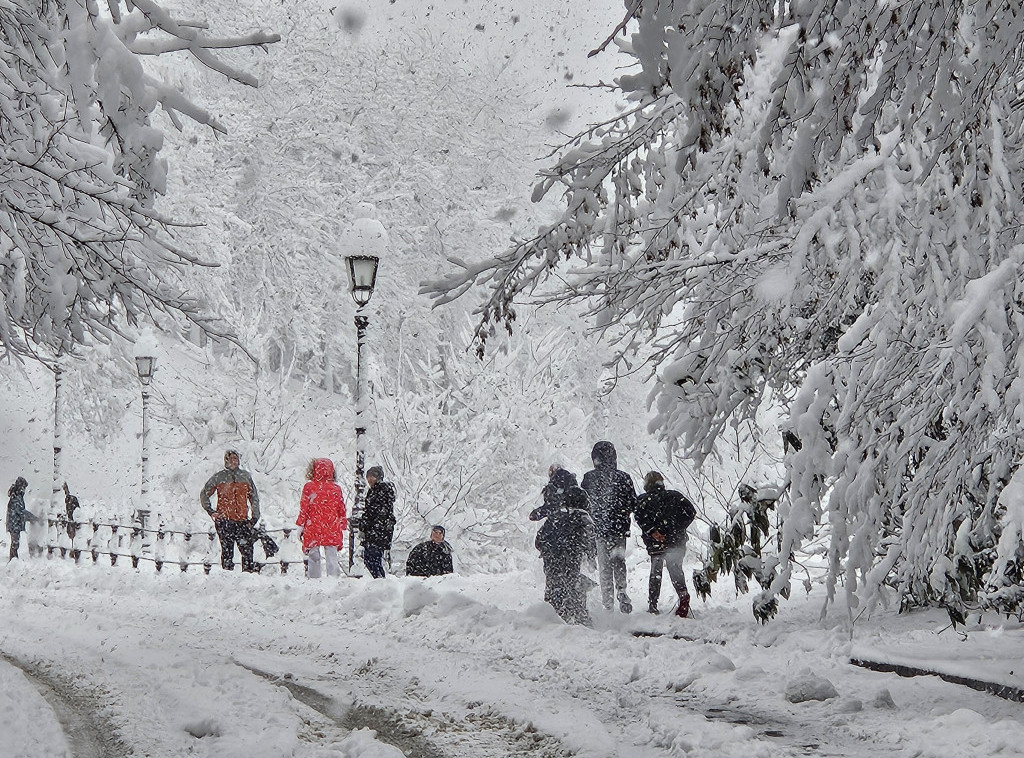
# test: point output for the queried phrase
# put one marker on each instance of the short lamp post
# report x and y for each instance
(145, 365)
(362, 274)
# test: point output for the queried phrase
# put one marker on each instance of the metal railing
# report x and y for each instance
(85, 540)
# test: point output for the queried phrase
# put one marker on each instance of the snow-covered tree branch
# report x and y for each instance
(82, 249)
(819, 205)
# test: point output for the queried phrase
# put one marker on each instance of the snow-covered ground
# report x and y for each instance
(111, 661)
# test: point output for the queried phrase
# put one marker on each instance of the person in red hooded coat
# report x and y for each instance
(322, 518)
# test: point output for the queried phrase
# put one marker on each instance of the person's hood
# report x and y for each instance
(562, 480)
(323, 470)
(604, 455)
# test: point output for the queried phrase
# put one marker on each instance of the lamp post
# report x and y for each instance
(364, 242)
(145, 364)
(58, 473)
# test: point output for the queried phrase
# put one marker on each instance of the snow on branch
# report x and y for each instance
(82, 249)
(817, 205)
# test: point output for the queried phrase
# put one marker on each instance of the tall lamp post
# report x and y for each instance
(145, 364)
(363, 278)
(364, 243)
(58, 473)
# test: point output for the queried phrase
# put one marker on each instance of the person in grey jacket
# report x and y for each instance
(17, 514)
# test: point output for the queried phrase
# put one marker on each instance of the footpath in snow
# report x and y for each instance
(109, 661)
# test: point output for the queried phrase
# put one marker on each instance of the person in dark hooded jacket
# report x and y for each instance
(431, 558)
(563, 539)
(17, 514)
(377, 521)
(663, 517)
(612, 499)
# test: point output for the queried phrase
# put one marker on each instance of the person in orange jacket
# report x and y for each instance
(236, 497)
(322, 518)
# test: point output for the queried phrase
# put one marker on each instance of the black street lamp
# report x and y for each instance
(365, 241)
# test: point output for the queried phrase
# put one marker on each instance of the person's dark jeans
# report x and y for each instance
(15, 540)
(373, 559)
(672, 559)
(233, 533)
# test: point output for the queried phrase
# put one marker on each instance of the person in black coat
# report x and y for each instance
(563, 539)
(430, 558)
(612, 499)
(663, 517)
(17, 514)
(377, 522)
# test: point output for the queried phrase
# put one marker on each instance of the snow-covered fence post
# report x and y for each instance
(186, 552)
(158, 549)
(115, 544)
(208, 563)
(135, 547)
(94, 542)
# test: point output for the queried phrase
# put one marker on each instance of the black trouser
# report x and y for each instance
(15, 539)
(373, 559)
(672, 559)
(233, 533)
(563, 590)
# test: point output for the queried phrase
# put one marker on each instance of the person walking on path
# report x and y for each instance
(238, 509)
(322, 518)
(612, 499)
(431, 558)
(562, 540)
(377, 522)
(17, 514)
(663, 516)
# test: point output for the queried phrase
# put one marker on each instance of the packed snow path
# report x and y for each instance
(233, 665)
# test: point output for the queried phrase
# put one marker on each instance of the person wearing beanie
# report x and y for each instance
(238, 509)
(431, 558)
(376, 524)
(612, 499)
(663, 516)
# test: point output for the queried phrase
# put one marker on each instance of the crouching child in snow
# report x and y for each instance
(563, 539)
(663, 517)
(322, 518)
(431, 558)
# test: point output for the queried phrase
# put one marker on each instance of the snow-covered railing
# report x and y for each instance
(80, 540)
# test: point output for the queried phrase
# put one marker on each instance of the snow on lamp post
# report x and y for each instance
(362, 245)
(58, 473)
(145, 363)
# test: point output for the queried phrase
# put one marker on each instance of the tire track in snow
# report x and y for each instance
(482, 731)
(89, 733)
(800, 737)
(388, 725)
